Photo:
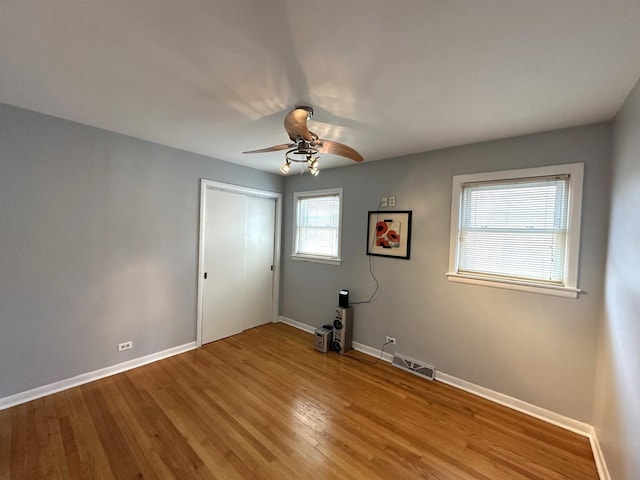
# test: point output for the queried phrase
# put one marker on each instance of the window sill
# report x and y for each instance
(312, 259)
(566, 292)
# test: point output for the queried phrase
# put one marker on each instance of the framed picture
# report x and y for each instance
(389, 234)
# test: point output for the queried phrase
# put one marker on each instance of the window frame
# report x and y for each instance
(569, 289)
(330, 260)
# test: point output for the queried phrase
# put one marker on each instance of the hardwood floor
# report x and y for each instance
(264, 404)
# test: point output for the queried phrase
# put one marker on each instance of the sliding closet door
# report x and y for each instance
(238, 263)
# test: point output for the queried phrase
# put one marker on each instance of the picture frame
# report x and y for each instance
(389, 234)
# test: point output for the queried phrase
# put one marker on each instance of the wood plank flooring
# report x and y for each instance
(265, 405)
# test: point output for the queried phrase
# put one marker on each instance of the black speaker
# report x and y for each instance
(343, 298)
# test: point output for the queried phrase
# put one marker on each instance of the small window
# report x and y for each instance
(317, 222)
(518, 229)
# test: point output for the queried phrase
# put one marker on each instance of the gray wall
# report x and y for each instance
(98, 245)
(617, 397)
(537, 348)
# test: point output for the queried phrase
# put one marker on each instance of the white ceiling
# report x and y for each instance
(217, 77)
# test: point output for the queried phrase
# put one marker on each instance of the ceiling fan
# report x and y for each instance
(306, 145)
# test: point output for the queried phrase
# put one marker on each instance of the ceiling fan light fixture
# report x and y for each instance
(286, 166)
(312, 163)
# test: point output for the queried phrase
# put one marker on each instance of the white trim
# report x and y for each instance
(199, 308)
(576, 174)
(294, 243)
(299, 325)
(374, 352)
(228, 187)
(548, 416)
(360, 347)
(598, 456)
(543, 414)
(312, 259)
(22, 397)
(555, 290)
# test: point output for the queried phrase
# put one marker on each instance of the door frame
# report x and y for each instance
(206, 185)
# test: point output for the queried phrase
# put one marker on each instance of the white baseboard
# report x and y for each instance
(296, 324)
(387, 357)
(548, 416)
(83, 378)
(374, 352)
(543, 414)
(598, 456)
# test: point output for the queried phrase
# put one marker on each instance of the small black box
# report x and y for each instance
(343, 299)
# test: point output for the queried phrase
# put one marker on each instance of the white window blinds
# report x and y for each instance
(318, 226)
(515, 229)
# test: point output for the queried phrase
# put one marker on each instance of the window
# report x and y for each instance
(317, 221)
(518, 229)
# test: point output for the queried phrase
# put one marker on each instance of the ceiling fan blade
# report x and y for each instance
(295, 123)
(275, 148)
(328, 146)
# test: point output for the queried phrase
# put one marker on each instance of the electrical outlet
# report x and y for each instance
(391, 340)
(125, 345)
(392, 201)
(383, 201)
